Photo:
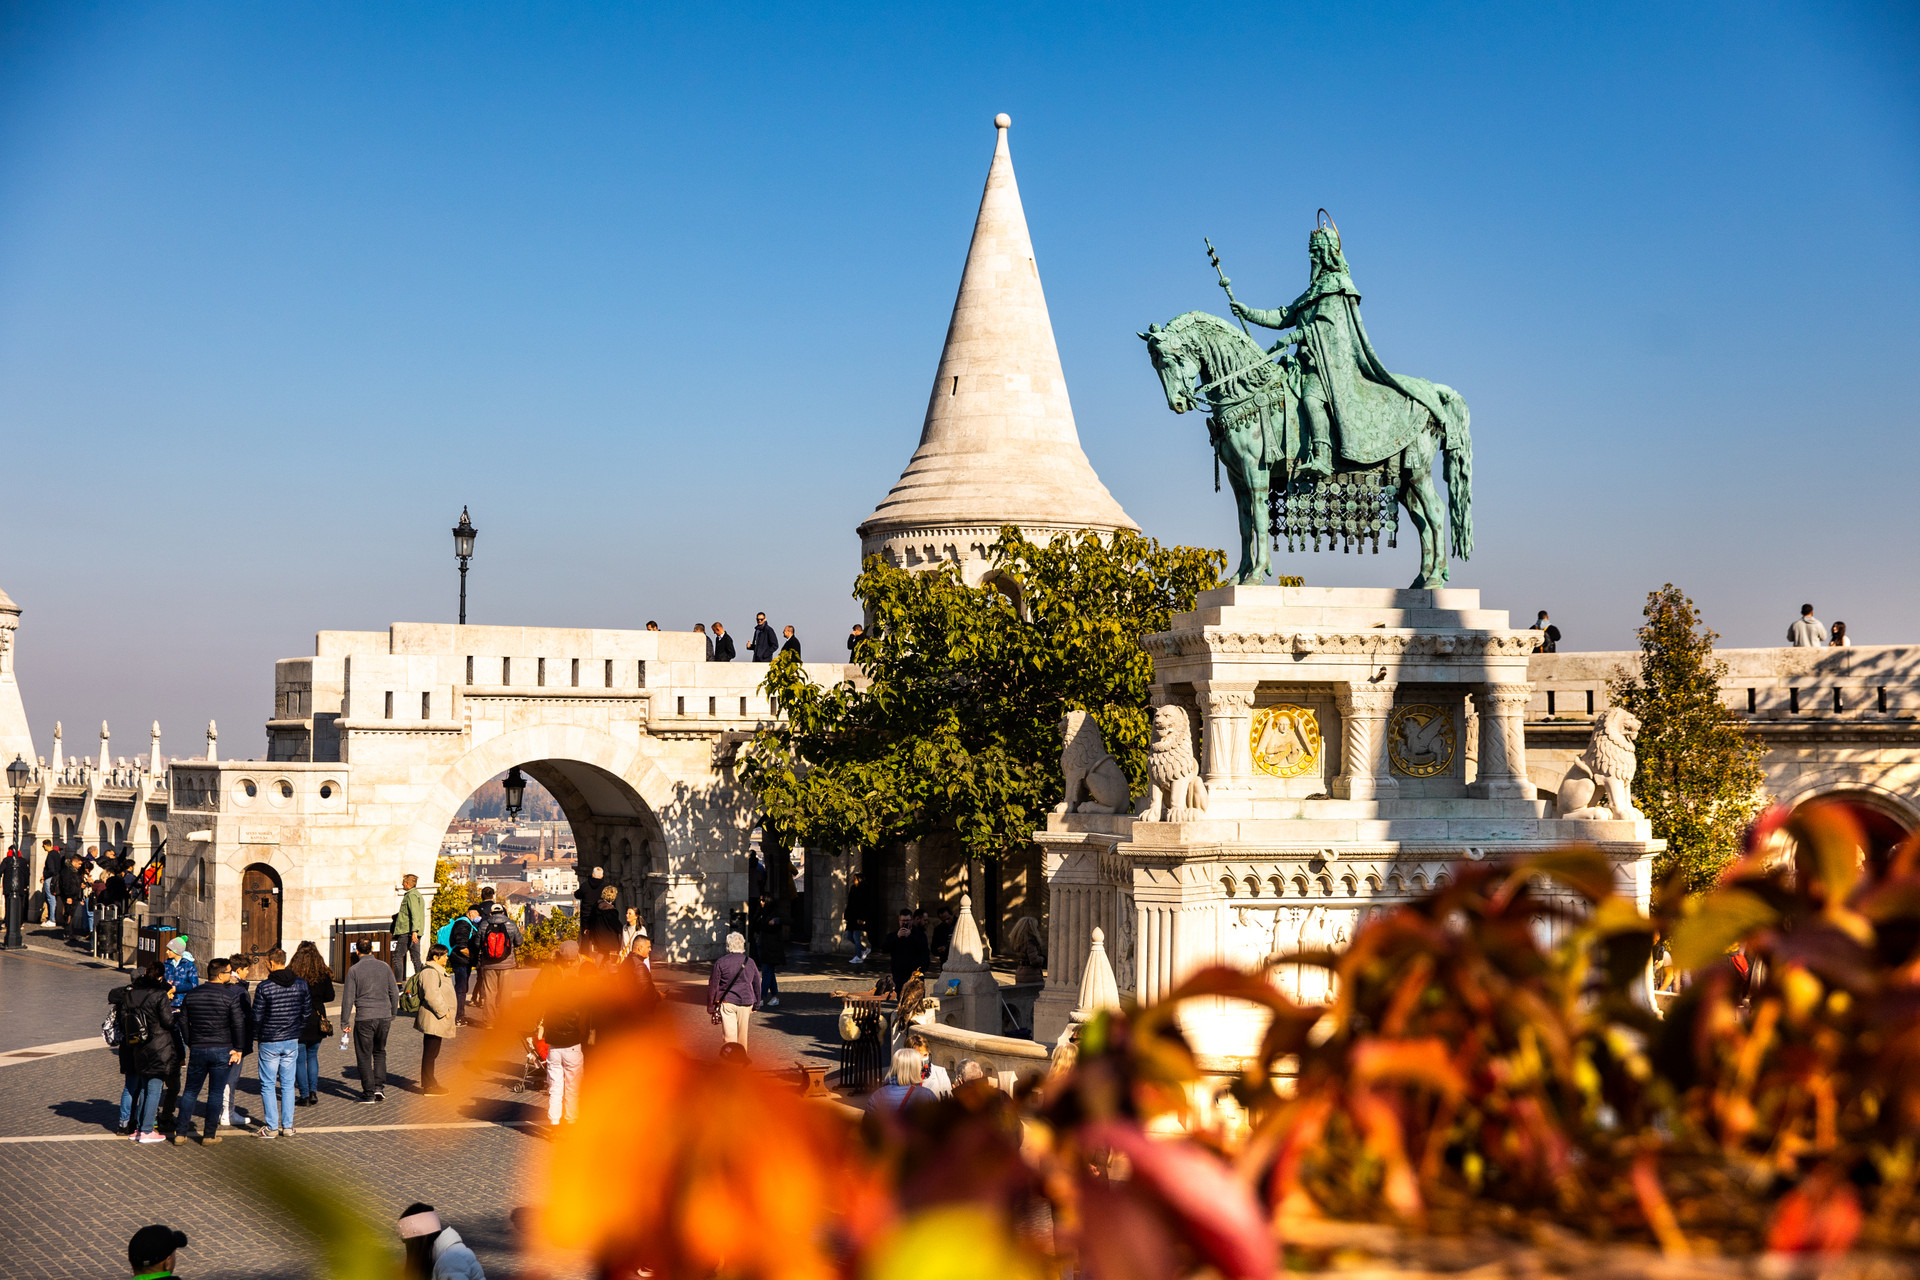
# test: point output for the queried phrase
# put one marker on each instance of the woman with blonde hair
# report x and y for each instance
(909, 1067)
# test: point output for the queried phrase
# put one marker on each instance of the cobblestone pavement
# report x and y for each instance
(71, 1192)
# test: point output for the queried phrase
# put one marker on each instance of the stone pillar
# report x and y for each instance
(1229, 720)
(1502, 712)
(969, 995)
(1365, 773)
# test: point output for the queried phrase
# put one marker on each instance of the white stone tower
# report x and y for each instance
(14, 738)
(999, 444)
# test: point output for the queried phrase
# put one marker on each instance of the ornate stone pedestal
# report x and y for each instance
(1357, 746)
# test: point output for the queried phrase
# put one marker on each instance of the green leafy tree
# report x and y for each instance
(546, 933)
(451, 897)
(1699, 779)
(958, 731)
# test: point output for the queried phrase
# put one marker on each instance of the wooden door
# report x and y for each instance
(259, 911)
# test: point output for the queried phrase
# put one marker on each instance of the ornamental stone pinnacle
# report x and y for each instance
(999, 444)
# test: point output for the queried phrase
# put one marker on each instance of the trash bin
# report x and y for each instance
(347, 933)
(155, 933)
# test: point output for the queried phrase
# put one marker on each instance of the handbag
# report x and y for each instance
(326, 1027)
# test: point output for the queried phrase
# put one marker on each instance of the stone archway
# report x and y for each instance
(624, 812)
(1847, 785)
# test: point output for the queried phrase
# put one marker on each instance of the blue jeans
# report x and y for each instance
(306, 1074)
(208, 1065)
(147, 1090)
(276, 1081)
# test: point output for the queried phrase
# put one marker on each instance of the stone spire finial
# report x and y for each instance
(998, 445)
(213, 740)
(59, 750)
(153, 751)
(967, 952)
(1098, 989)
(106, 761)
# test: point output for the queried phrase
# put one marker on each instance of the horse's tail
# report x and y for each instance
(1458, 442)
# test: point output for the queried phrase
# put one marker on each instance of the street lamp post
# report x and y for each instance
(463, 535)
(17, 773)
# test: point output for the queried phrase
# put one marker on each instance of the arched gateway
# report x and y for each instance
(380, 737)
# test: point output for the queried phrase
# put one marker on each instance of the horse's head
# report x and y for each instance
(1196, 347)
(1177, 360)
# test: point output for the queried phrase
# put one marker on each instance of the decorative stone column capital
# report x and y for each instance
(1228, 710)
(1364, 771)
(1369, 700)
(1227, 702)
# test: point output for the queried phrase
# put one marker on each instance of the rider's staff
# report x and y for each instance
(1226, 284)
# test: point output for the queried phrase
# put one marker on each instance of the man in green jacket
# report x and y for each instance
(409, 922)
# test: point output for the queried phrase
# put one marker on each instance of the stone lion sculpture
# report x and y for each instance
(1175, 792)
(1604, 772)
(1091, 772)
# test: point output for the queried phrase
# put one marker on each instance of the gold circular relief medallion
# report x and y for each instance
(1285, 740)
(1420, 739)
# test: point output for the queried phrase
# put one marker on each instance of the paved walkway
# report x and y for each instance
(71, 1192)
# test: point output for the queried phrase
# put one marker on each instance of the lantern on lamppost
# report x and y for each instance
(463, 535)
(17, 774)
(516, 788)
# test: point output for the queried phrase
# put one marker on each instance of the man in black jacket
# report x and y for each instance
(909, 950)
(722, 644)
(216, 1030)
(281, 1006)
(13, 893)
(763, 644)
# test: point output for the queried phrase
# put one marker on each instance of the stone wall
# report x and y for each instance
(1833, 720)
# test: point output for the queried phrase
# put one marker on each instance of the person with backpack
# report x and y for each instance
(436, 1016)
(142, 1029)
(906, 1091)
(367, 1009)
(282, 1003)
(500, 939)
(463, 953)
(215, 1030)
(733, 991)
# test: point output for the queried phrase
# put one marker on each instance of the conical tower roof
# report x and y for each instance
(999, 445)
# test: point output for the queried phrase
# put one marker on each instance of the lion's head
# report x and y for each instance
(1611, 752)
(1171, 755)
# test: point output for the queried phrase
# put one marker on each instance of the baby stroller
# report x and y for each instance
(533, 1067)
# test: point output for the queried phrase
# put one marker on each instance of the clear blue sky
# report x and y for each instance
(660, 293)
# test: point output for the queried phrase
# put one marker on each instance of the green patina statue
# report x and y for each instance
(1323, 443)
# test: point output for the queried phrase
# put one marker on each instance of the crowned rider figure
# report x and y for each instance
(1349, 405)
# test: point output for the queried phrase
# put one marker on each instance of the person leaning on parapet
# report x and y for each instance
(652, 625)
(1840, 640)
(372, 998)
(151, 1252)
(722, 644)
(854, 637)
(791, 644)
(763, 644)
(1551, 641)
(409, 922)
(1809, 632)
(500, 939)
(700, 628)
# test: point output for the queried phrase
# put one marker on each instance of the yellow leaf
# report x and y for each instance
(956, 1242)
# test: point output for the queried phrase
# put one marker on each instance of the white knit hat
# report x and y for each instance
(420, 1224)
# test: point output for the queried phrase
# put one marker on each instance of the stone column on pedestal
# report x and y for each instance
(970, 997)
(1364, 771)
(1229, 720)
(1502, 713)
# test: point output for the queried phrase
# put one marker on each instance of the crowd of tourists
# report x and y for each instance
(83, 894)
(761, 646)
